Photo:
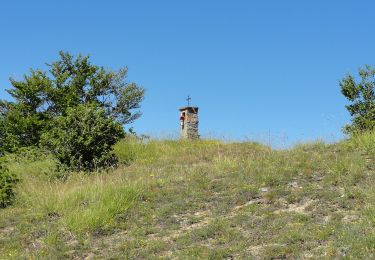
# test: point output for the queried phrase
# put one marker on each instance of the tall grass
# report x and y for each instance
(364, 142)
(81, 204)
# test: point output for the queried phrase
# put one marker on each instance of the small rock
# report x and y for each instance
(264, 189)
(293, 184)
(350, 218)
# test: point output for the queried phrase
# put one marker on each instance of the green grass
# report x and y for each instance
(202, 199)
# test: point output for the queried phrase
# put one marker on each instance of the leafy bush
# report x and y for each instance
(40, 97)
(361, 95)
(83, 139)
(7, 185)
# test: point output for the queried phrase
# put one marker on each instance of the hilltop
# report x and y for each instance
(200, 199)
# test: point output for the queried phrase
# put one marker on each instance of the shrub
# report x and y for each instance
(361, 96)
(83, 139)
(7, 185)
(42, 96)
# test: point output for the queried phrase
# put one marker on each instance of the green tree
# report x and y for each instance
(361, 96)
(83, 138)
(21, 120)
(40, 97)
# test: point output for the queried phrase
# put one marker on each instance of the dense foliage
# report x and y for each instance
(40, 97)
(83, 139)
(44, 104)
(362, 100)
(7, 183)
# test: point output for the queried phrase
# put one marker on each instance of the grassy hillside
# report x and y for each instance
(204, 199)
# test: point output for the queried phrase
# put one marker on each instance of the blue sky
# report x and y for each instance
(258, 70)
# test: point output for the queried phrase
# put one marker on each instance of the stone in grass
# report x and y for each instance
(293, 184)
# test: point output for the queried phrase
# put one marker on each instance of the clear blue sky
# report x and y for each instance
(255, 68)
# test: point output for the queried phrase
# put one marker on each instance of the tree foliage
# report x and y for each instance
(361, 96)
(83, 138)
(41, 101)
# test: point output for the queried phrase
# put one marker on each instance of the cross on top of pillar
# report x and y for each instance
(188, 100)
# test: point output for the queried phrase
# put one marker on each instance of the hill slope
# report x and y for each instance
(204, 199)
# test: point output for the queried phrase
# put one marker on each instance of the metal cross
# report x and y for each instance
(188, 100)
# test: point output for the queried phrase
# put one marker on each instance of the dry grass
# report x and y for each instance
(203, 199)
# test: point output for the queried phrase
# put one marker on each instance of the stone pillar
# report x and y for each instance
(189, 123)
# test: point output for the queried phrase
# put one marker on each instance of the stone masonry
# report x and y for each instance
(189, 123)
